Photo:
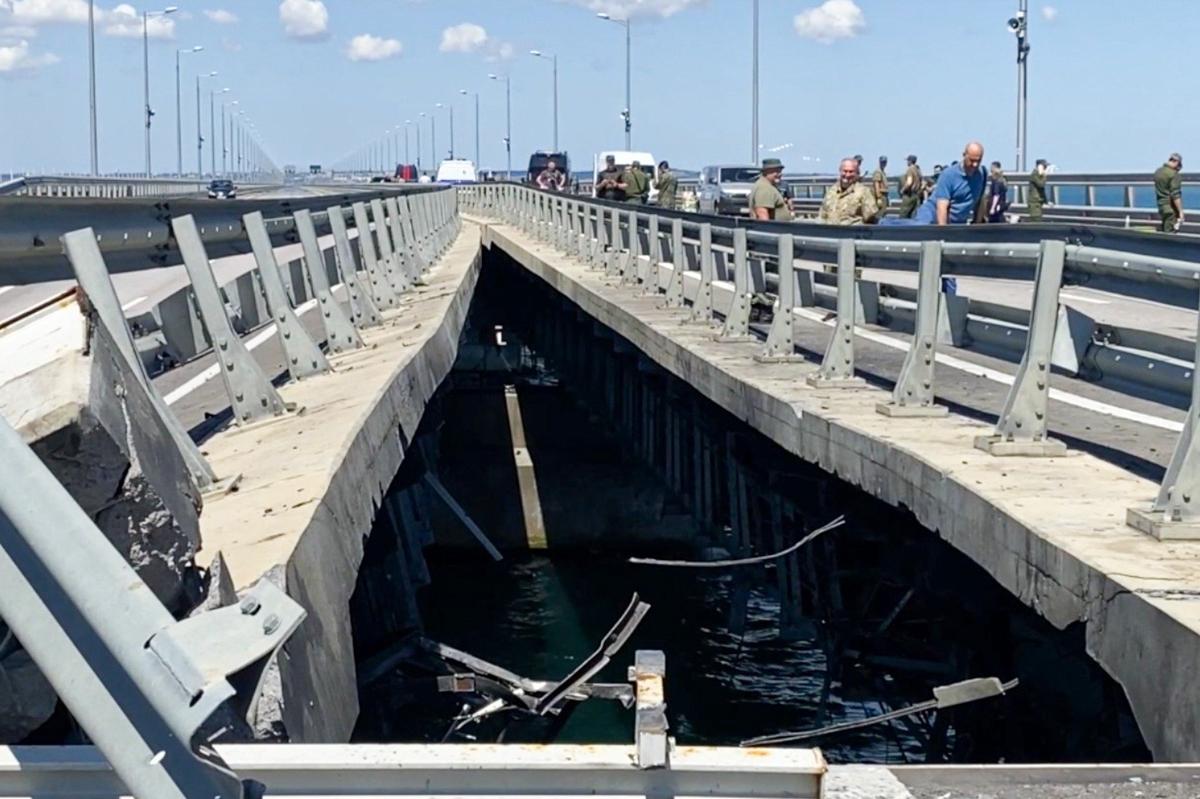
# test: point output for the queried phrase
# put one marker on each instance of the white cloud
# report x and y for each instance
(125, 20)
(499, 51)
(220, 16)
(1049, 13)
(40, 12)
(304, 19)
(627, 9)
(17, 31)
(373, 48)
(464, 38)
(832, 20)
(18, 58)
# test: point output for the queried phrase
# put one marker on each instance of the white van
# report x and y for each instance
(623, 159)
(456, 170)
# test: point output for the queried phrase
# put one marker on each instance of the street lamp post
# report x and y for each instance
(179, 109)
(628, 113)
(200, 126)
(433, 137)
(146, 73)
(421, 116)
(225, 147)
(1019, 25)
(407, 125)
(507, 121)
(95, 146)
(754, 93)
(464, 92)
(553, 58)
(212, 128)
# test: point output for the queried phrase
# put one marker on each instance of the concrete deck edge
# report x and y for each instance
(1150, 652)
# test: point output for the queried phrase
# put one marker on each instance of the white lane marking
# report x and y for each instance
(1075, 297)
(1006, 379)
(132, 303)
(212, 371)
(6, 289)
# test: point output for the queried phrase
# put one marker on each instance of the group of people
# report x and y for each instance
(629, 184)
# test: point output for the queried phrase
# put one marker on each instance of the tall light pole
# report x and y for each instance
(1019, 25)
(212, 127)
(754, 93)
(179, 109)
(95, 147)
(628, 112)
(146, 73)
(421, 116)
(553, 57)
(507, 121)
(200, 126)
(224, 146)
(464, 92)
(433, 136)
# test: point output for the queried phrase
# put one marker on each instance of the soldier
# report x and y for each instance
(1168, 193)
(880, 185)
(911, 186)
(552, 178)
(848, 202)
(637, 183)
(667, 185)
(766, 200)
(1037, 190)
(610, 182)
(997, 195)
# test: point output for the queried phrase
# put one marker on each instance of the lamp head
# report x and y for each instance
(170, 9)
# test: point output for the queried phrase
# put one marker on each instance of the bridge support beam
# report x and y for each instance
(913, 395)
(702, 307)
(737, 319)
(648, 672)
(837, 367)
(362, 308)
(251, 395)
(340, 334)
(388, 263)
(629, 272)
(1175, 512)
(616, 244)
(781, 339)
(678, 266)
(600, 244)
(1021, 429)
(385, 295)
(304, 357)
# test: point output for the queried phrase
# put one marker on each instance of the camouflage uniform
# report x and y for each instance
(854, 205)
(880, 186)
(910, 200)
(1167, 186)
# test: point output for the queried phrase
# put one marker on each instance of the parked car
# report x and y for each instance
(456, 170)
(624, 158)
(222, 189)
(539, 160)
(726, 189)
(406, 173)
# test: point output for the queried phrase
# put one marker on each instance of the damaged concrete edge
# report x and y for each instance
(1126, 633)
(317, 670)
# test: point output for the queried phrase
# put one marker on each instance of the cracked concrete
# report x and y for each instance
(1050, 530)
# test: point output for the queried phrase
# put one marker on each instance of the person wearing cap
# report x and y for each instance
(766, 200)
(879, 184)
(1168, 193)
(667, 185)
(1037, 190)
(610, 182)
(848, 202)
(910, 189)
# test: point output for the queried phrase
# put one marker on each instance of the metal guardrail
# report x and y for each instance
(613, 237)
(145, 689)
(99, 187)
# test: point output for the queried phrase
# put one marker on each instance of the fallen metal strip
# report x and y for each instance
(461, 513)
(721, 564)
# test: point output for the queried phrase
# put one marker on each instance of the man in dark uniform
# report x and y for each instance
(1168, 193)
(1037, 190)
(610, 183)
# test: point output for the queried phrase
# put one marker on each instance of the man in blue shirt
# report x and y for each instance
(956, 196)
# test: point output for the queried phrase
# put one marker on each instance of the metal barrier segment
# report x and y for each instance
(1021, 431)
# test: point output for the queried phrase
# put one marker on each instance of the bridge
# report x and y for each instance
(246, 391)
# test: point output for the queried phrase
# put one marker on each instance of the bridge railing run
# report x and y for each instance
(99, 187)
(642, 247)
(144, 688)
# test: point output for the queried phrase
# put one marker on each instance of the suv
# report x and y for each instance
(726, 189)
(222, 189)
(538, 162)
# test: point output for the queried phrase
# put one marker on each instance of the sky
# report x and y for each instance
(322, 79)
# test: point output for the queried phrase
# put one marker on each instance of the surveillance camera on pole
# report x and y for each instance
(1018, 25)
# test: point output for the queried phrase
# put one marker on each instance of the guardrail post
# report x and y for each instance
(387, 257)
(837, 367)
(148, 690)
(304, 357)
(737, 319)
(648, 674)
(402, 211)
(913, 394)
(96, 285)
(251, 394)
(1021, 429)
(629, 272)
(407, 267)
(385, 295)
(600, 243)
(1174, 514)
(678, 266)
(654, 237)
(702, 307)
(616, 245)
(361, 307)
(781, 338)
(340, 334)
